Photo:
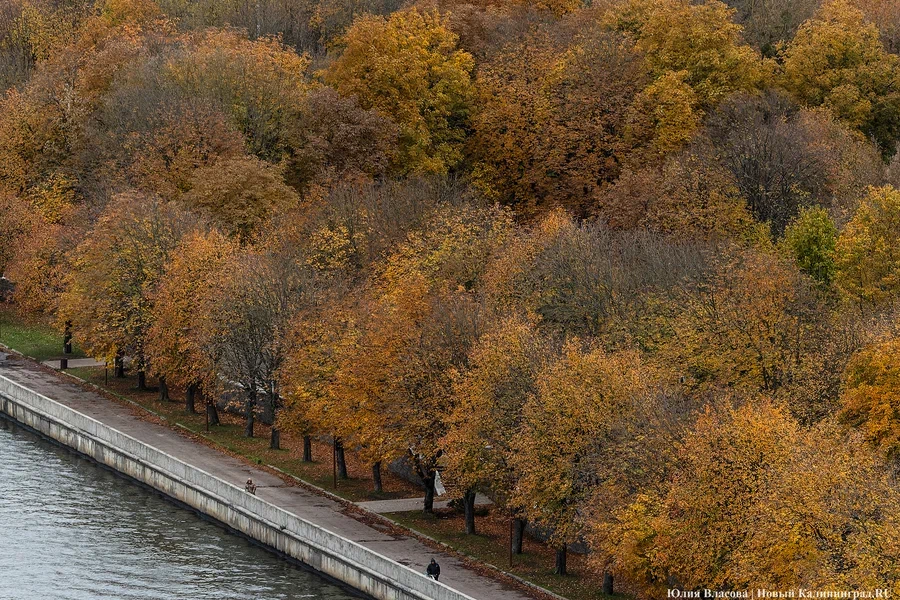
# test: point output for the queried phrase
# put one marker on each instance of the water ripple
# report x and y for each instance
(70, 530)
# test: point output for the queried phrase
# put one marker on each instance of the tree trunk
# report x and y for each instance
(518, 535)
(275, 440)
(307, 448)
(268, 409)
(376, 476)
(608, 583)
(428, 480)
(469, 504)
(250, 414)
(341, 459)
(163, 390)
(67, 338)
(560, 561)
(212, 413)
(190, 398)
(120, 367)
(142, 381)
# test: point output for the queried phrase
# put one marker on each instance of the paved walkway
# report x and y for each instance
(305, 504)
(75, 363)
(410, 504)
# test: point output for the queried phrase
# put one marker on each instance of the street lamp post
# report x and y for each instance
(334, 461)
(512, 533)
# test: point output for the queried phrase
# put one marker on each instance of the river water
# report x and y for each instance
(72, 530)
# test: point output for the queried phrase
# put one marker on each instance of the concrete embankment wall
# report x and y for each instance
(322, 550)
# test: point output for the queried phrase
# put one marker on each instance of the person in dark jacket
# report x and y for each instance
(433, 570)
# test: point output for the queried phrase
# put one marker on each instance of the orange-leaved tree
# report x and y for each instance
(318, 337)
(825, 517)
(178, 347)
(871, 393)
(552, 115)
(240, 194)
(115, 274)
(423, 316)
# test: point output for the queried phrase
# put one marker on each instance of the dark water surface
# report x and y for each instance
(72, 530)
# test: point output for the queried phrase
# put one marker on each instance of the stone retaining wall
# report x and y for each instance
(340, 558)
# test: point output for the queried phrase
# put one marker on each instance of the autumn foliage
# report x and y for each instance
(630, 268)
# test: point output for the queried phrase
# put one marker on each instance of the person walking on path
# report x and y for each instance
(433, 570)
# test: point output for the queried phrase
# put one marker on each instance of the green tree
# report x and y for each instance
(810, 239)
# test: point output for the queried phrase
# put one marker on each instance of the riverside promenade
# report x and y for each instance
(322, 511)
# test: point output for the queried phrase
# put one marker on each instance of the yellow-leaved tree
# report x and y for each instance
(572, 417)
(837, 60)
(260, 83)
(553, 115)
(757, 500)
(825, 518)
(698, 41)
(753, 324)
(408, 67)
(490, 394)
(867, 255)
(664, 116)
(702, 520)
(317, 340)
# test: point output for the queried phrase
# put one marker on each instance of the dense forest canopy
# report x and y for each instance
(630, 267)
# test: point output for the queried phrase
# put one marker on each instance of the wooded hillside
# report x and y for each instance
(630, 267)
